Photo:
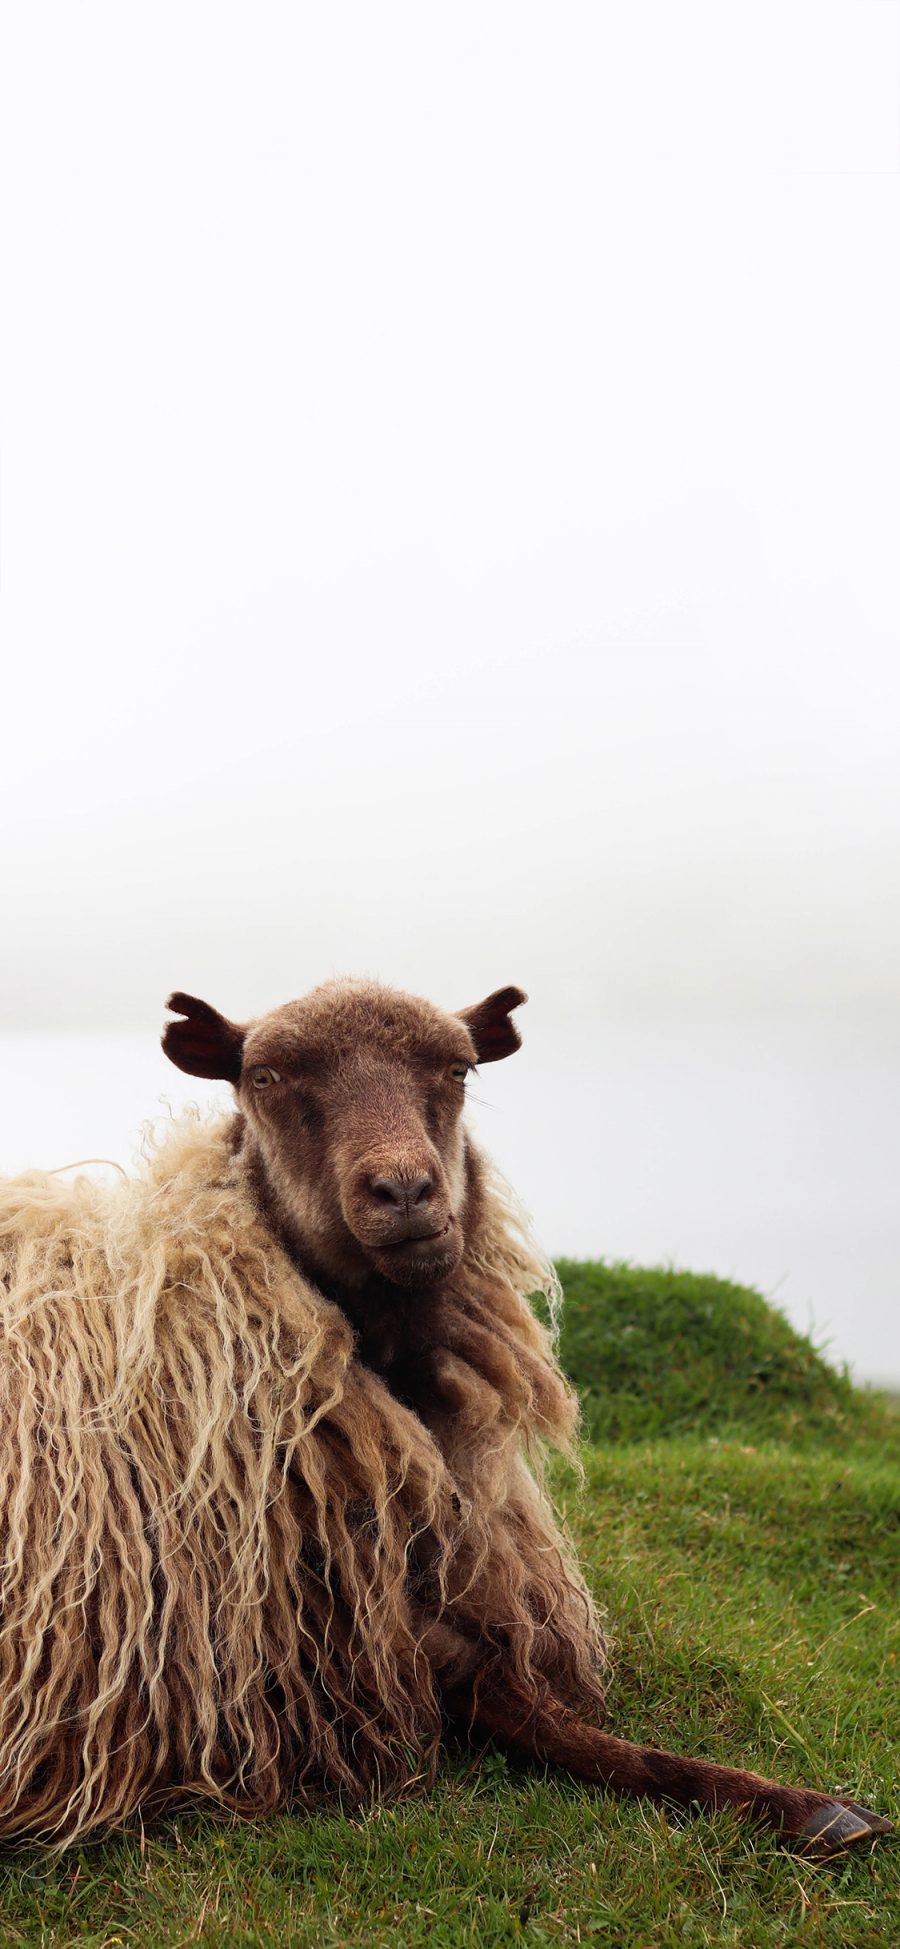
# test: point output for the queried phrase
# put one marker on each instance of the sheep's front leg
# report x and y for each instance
(817, 1824)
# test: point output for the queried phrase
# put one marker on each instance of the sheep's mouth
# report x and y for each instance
(414, 1239)
(420, 1261)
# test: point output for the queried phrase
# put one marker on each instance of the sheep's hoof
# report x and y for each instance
(837, 1825)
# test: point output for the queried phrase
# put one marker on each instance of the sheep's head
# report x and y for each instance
(353, 1103)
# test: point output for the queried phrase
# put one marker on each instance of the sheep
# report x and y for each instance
(275, 1410)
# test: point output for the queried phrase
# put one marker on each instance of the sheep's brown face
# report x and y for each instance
(354, 1098)
(357, 1114)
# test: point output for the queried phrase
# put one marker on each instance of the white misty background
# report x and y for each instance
(449, 532)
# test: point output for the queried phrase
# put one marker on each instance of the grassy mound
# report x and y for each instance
(659, 1352)
(740, 1520)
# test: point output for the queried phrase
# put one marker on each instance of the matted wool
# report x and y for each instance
(226, 1549)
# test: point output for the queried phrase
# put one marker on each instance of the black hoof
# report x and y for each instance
(839, 1824)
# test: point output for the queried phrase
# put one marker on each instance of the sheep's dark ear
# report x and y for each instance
(205, 1044)
(488, 1023)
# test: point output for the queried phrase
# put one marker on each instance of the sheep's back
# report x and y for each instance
(205, 1514)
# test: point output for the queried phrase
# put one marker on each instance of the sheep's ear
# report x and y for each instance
(205, 1044)
(488, 1023)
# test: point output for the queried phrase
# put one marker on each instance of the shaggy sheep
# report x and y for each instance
(272, 1504)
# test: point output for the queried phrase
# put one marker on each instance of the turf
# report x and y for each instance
(740, 1519)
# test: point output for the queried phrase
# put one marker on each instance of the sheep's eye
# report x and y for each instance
(263, 1076)
(459, 1071)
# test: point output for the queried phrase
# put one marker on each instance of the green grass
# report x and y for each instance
(663, 1353)
(740, 1520)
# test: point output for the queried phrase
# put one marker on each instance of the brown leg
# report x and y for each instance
(817, 1824)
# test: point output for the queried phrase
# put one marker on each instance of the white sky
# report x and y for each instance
(450, 506)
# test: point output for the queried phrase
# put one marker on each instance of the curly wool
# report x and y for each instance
(228, 1552)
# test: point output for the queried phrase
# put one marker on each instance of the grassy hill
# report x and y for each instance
(665, 1353)
(740, 1520)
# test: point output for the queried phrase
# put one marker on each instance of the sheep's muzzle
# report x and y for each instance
(402, 1218)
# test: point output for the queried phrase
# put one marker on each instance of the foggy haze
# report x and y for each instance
(450, 514)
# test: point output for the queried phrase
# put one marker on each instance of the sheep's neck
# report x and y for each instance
(395, 1330)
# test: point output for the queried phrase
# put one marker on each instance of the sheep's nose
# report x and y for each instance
(402, 1194)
